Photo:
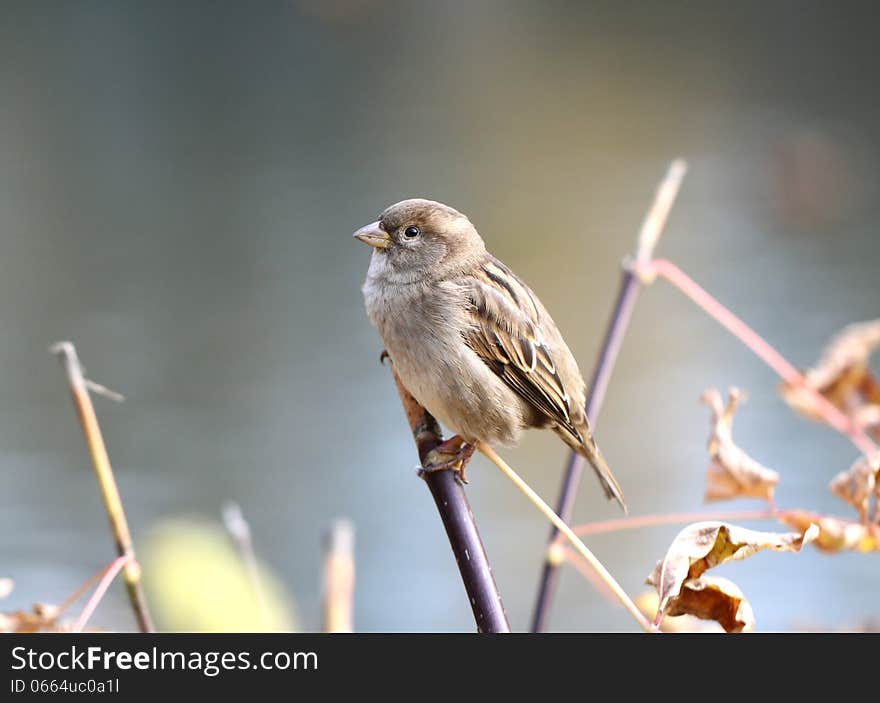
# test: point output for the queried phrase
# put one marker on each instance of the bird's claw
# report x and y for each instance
(452, 455)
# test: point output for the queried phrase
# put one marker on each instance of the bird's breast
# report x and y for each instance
(421, 328)
(413, 319)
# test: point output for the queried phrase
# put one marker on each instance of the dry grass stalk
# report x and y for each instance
(339, 574)
(79, 388)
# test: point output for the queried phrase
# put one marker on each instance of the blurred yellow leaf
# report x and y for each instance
(835, 534)
(196, 582)
(732, 473)
(698, 548)
(843, 376)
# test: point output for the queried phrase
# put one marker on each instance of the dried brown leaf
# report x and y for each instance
(875, 515)
(868, 418)
(732, 473)
(647, 603)
(42, 618)
(835, 534)
(844, 377)
(703, 545)
(858, 484)
(714, 598)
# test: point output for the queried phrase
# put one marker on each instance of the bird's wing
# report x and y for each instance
(505, 331)
(509, 329)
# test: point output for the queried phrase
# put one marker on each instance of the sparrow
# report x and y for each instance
(469, 339)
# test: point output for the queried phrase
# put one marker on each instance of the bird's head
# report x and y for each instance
(419, 239)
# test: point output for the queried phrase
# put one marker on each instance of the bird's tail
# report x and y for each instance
(584, 444)
(590, 451)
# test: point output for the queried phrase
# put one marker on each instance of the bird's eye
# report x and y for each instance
(411, 232)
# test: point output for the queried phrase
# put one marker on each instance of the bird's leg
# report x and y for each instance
(453, 454)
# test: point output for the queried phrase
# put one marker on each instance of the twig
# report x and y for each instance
(107, 577)
(109, 393)
(650, 232)
(566, 531)
(634, 523)
(83, 587)
(338, 606)
(240, 531)
(739, 329)
(655, 219)
(455, 512)
(106, 481)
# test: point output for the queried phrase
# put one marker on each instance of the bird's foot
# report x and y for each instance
(451, 455)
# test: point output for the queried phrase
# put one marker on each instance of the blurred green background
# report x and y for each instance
(178, 187)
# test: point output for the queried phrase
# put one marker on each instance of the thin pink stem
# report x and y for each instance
(634, 523)
(82, 588)
(110, 573)
(739, 329)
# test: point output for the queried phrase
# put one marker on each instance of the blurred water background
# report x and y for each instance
(178, 187)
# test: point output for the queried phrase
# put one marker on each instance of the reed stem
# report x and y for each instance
(79, 388)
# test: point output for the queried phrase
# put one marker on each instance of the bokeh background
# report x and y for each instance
(178, 187)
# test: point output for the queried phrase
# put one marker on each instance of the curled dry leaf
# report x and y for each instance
(835, 534)
(713, 598)
(732, 473)
(858, 484)
(698, 548)
(868, 417)
(875, 515)
(647, 603)
(43, 618)
(843, 376)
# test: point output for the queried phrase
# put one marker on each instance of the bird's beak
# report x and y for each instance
(373, 235)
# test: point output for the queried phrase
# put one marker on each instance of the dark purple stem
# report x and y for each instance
(617, 326)
(470, 555)
(458, 520)
(650, 232)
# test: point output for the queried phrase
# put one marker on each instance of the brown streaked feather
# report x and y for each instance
(511, 332)
(506, 333)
